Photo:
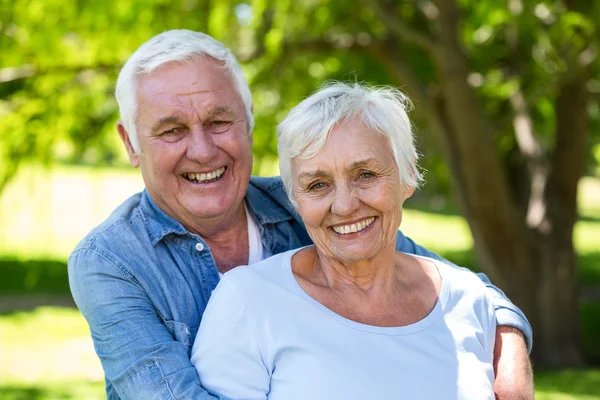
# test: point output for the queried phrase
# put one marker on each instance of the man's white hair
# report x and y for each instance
(178, 45)
(305, 130)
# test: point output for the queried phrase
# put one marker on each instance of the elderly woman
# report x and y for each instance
(350, 317)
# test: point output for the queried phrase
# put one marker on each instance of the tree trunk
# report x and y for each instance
(536, 266)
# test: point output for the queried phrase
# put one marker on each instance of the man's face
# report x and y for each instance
(196, 154)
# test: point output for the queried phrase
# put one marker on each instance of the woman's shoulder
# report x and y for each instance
(463, 285)
(459, 276)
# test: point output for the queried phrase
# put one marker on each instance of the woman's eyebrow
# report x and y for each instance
(363, 163)
(305, 176)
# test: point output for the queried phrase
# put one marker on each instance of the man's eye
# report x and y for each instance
(220, 126)
(366, 175)
(172, 131)
(173, 134)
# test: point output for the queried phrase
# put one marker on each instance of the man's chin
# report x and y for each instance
(211, 209)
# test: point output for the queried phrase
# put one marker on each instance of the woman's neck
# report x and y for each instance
(364, 275)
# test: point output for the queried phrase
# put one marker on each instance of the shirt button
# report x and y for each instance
(199, 247)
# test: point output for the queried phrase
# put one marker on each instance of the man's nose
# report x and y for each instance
(345, 200)
(201, 146)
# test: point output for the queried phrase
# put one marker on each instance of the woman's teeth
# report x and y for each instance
(353, 228)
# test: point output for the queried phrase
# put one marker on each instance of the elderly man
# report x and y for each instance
(142, 278)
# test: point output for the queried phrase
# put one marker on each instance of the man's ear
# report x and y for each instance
(133, 156)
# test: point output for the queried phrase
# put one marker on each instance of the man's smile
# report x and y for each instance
(204, 177)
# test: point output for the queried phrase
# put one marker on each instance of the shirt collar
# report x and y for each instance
(263, 208)
(158, 223)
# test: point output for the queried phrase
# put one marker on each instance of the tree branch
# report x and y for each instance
(398, 28)
(263, 28)
(403, 74)
(531, 150)
(449, 17)
(10, 74)
(569, 158)
(527, 143)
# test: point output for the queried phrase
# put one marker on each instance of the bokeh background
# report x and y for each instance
(507, 111)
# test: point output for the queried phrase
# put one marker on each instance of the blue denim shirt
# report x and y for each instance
(142, 281)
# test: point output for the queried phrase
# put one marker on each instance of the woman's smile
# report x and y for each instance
(354, 227)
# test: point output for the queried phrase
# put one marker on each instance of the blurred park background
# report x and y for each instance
(507, 111)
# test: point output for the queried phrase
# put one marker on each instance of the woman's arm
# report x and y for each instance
(226, 352)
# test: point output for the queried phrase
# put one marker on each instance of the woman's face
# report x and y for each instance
(349, 194)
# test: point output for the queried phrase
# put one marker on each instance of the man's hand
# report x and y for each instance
(512, 368)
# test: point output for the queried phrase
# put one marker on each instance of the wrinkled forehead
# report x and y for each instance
(198, 86)
(346, 146)
(201, 74)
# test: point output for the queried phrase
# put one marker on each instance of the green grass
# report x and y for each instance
(64, 390)
(46, 345)
(590, 330)
(21, 277)
(568, 385)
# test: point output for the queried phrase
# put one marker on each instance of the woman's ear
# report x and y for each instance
(408, 191)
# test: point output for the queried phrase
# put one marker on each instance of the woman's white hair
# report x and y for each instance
(178, 45)
(305, 130)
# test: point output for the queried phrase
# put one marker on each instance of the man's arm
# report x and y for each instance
(139, 356)
(507, 314)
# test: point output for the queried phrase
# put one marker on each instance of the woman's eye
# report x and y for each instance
(365, 175)
(316, 186)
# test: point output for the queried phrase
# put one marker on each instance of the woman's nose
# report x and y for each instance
(345, 201)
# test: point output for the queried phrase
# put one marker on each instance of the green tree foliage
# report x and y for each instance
(59, 61)
(58, 66)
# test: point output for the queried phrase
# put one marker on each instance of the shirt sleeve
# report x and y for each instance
(226, 352)
(139, 356)
(506, 312)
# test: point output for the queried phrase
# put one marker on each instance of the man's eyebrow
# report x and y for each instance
(172, 119)
(217, 111)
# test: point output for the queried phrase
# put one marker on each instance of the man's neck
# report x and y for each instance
(228, 241)
(226, 235)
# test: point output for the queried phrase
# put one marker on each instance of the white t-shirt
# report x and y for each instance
(255, 247)
(263, 337)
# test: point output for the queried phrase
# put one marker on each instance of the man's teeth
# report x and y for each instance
(353, 228)
(204, 177)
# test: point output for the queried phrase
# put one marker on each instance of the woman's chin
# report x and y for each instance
(351, 254)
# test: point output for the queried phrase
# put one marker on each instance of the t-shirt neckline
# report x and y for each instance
(410, 329)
